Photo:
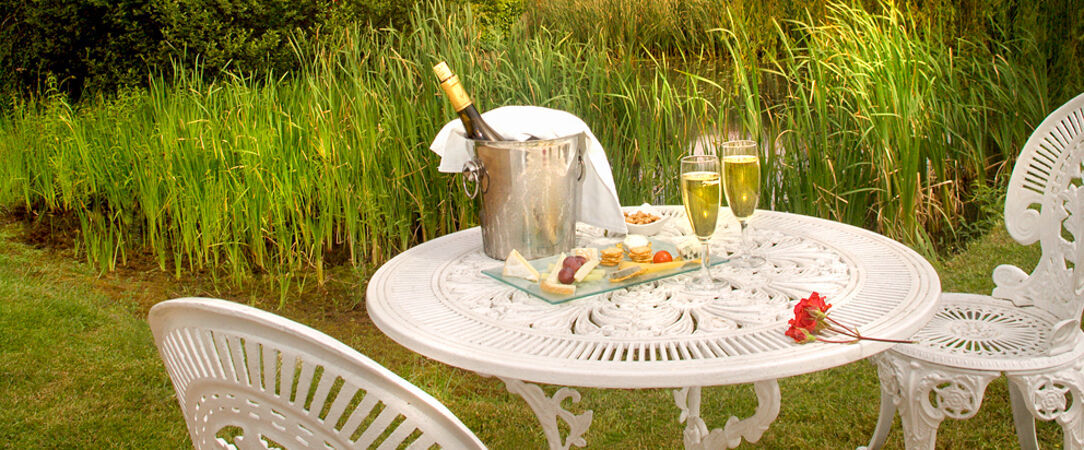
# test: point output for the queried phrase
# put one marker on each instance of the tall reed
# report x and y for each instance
(863, 119)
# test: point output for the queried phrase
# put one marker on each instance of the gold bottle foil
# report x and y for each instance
(450, 83)
(456, 94)
(443, 71)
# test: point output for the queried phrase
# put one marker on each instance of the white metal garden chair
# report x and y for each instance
(275, 382)
(1029, 329)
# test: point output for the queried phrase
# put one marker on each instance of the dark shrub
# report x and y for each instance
(99, 45)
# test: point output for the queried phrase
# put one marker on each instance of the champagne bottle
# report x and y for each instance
(472, 121)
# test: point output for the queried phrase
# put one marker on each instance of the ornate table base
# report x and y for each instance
(730, 436)
(697, 436)
(548, 410)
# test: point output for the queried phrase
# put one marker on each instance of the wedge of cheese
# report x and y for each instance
(557, 288)
(556, 269)
(658, 267)
(626, 273)
(635, 240)
(589, 253)
(585, 269)
(689, 248)
(516, 266)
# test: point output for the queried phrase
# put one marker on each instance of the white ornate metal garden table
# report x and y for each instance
(434, 300)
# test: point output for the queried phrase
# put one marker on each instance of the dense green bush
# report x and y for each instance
(245, 35)
(96, 42)
(100, 45)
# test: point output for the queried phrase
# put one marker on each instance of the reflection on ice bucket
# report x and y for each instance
(530, 194)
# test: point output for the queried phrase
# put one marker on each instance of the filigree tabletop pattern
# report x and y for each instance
(435, 300)
(665, 307)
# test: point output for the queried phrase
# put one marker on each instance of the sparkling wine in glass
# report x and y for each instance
(701, 192)
(741, 183)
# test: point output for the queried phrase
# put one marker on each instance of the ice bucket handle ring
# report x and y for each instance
(473, 172)
(583, 168)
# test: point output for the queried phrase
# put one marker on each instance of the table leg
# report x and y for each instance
(548, 410)
(752, 428)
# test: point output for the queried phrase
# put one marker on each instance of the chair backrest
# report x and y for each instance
(239, 370)
(1045, 203)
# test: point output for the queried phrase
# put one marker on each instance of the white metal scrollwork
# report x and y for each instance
(796, 268)
(697, 436)
(548, 410)
(1057, 395)
(956, 394)
(984, 329)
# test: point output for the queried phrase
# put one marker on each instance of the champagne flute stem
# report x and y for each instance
(746, 248)
(705, 255)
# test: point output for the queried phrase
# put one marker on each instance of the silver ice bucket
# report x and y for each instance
(530, 194)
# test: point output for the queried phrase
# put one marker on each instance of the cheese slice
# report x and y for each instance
(552, 278)
(585, 269)
(588, 253)
(626, 273)
(635, 240)
(516, 266)
(558, 288)
(658, 267)
(689, 248)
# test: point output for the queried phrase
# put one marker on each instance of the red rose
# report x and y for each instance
(811, 316)
(795, 333)
(808, 318)
(803, 319)
(816, 301)
(800, 335)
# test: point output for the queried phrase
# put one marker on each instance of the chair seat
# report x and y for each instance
(984, 333)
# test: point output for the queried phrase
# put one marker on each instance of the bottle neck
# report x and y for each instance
(456, 94)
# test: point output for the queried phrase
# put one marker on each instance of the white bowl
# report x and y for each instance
(649, 229)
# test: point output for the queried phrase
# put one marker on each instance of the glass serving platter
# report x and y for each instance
(589, 288)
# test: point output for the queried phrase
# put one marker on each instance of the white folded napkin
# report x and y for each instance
(599, 205)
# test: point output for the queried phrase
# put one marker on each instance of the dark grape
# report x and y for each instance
(567, 275)
(573, 262)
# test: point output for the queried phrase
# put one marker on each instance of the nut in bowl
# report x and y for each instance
(645, 220)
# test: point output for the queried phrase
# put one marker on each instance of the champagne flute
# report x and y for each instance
(741, 182)
(700, 192)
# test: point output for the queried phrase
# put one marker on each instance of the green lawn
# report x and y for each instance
(78, 367)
